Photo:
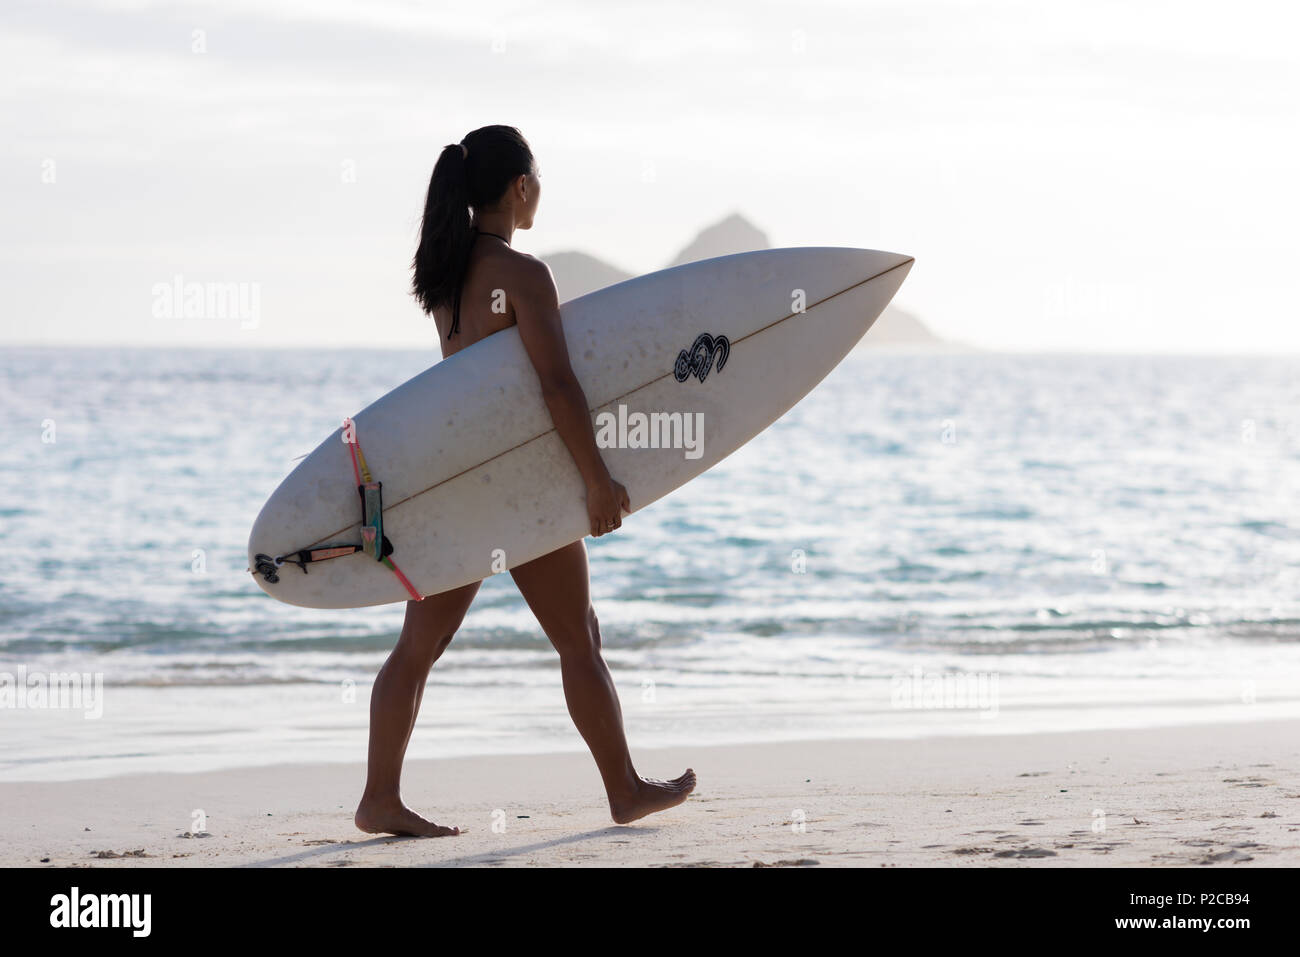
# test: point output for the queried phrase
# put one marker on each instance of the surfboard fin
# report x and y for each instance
(373, 540)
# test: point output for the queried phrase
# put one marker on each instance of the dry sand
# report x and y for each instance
(1215, 795)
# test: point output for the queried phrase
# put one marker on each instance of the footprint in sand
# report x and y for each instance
(1253, 782)
(1027, 852)
(801, 862)
(1232, 855)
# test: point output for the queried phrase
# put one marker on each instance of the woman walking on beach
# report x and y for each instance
(467, 276)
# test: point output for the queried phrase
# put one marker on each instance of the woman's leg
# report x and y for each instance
(394, 705)
(557, 590)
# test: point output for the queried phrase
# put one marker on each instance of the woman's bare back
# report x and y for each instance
(486, 303)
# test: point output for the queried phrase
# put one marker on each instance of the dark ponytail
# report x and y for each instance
(472, 174)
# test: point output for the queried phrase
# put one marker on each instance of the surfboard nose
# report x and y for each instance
(883, 272)
(879, 262)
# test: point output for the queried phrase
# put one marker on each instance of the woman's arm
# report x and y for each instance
(537, 312)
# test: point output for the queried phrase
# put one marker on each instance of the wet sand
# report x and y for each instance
(1224, 795)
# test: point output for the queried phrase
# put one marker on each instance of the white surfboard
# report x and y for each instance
(681, 367)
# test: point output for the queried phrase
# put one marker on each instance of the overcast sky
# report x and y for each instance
(1095, 175)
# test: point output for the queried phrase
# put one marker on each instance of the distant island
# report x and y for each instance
(578, 273)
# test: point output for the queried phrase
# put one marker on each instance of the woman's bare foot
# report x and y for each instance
(651, 796)
(376, 818)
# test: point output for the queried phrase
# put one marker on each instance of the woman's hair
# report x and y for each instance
(474, 177)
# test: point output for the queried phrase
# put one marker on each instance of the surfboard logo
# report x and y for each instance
(698, 360)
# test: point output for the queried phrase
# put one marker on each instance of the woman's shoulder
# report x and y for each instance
(525, 262)
(527, 273)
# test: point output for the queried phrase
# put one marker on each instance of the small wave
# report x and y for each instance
(1016, 513)
(1266, 527)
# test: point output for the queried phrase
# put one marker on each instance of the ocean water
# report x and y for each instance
(927, 544)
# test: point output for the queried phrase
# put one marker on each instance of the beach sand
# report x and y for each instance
(1215, 795)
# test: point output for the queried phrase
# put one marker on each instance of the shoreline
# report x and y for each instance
(215, 728)
(1213, 794)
